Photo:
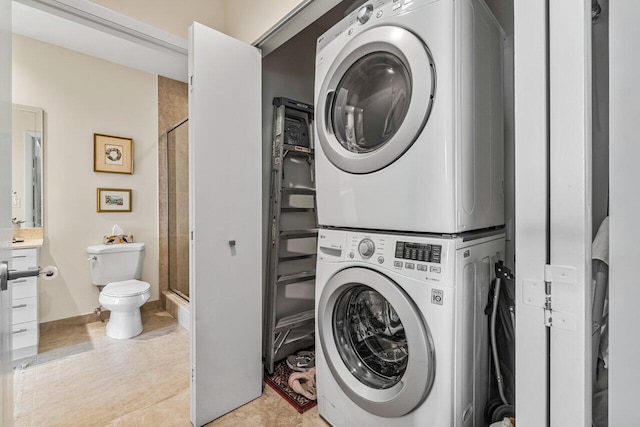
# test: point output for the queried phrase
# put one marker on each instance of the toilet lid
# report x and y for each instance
(126, 288)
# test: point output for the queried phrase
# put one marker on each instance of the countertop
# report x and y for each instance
(28, 243)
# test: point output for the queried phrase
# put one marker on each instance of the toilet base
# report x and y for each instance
(124, 324)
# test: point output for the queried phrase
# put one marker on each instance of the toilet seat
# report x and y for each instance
(126, 288)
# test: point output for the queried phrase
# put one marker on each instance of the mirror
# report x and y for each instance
(27, 167)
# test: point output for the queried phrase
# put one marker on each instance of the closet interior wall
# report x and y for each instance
(289, 71)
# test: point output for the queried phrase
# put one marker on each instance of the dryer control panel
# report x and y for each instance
(368, 15)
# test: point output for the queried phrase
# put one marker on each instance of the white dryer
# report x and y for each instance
(409, 118)
(402, 337)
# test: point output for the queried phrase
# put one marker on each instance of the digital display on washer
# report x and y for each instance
(418, 252)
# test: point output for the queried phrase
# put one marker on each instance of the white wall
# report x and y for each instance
(247, 20)
(170, 15)
(624, 292)
(82, 95)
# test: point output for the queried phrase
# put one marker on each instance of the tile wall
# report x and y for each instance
(172, 109)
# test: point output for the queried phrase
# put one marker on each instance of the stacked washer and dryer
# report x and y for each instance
(409, 168)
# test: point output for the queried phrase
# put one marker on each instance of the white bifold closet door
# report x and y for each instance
(552, 70)
(225, 163)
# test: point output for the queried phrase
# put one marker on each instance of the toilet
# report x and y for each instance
(118, 267)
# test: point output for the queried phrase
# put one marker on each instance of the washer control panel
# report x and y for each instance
(422, 258)
(428, 259)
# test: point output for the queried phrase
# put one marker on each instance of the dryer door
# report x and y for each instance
(375, 341)
(375, 100)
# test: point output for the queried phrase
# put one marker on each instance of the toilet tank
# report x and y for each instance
(114, 263)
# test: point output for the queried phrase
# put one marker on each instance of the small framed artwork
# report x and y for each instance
(112, 154)
(114, 200)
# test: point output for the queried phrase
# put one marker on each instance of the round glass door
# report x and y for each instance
(370, 337)
(375, 341)
(371, 102)
(375, 99)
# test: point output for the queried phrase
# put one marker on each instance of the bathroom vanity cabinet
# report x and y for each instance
(24, 320)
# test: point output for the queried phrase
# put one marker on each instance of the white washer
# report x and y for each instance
(402, 337)
(409, 118)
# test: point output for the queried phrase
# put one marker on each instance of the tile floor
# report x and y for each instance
(84, 378)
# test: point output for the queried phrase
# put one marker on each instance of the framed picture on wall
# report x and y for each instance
(112, 154)
(114, 200)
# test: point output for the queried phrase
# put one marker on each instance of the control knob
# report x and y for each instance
(364, 14)
(366, 247)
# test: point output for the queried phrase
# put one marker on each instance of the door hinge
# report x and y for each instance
(193, 373)
(548, 310)
(540, 294)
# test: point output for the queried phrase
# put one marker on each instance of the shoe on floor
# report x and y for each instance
(301, 362)
(304, 383)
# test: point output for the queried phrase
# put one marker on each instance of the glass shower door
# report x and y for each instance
(178, 208)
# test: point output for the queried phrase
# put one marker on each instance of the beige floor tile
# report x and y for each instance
(312, 418)
(172, 412)
(84, 378)
(268, 410)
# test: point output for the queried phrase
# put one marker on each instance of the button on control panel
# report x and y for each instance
(380, 260)
(409, 265)
(422, 267)
(397, 263)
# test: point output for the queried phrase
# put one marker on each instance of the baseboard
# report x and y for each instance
(84, 319)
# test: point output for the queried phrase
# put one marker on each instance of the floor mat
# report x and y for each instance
(278, 382)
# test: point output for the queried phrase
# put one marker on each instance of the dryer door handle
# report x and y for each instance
(331, 97)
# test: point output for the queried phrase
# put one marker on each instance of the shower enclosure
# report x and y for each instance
(177, 139)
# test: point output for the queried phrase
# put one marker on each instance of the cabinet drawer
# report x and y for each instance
(24, 310)
(24, 288)
(22, 259)
(24, 335)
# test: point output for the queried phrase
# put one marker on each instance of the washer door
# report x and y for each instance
(375, 341)
(375, 100)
